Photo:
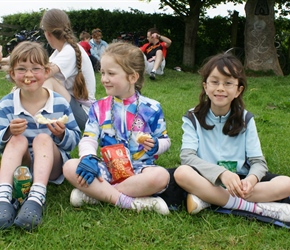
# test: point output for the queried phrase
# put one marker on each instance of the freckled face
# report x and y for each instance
(115, 80)
(28, 80)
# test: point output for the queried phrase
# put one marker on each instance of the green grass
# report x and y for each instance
(106, 227)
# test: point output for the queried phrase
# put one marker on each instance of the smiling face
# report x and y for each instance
(28, 76)
(115, 80)
(221, 97)
(29, 66)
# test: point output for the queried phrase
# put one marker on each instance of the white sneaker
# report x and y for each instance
(78, 198)
(275, 210)
(156, 204)
(195, 205)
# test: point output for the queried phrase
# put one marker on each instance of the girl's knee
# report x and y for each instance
(18, 140)
(164, 175)
(42, 137)
(286, 182)
(182, 172)
(159, 177)
(69, 168)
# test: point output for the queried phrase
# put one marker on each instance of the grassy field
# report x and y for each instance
(106, 227)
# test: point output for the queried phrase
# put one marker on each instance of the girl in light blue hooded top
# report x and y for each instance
(221, 157)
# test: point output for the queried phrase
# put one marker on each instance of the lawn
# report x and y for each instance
(103, 226)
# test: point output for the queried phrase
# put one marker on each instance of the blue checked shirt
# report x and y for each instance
(55, 107)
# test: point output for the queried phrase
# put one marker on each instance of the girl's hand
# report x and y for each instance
(18, 126)
(232, 183)
(247, 188)
(151, 146)
(81, 181)
(87, 170)
(248, 185)
(148, 144)
(57, 128)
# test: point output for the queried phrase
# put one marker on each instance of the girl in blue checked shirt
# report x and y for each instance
(24, 141)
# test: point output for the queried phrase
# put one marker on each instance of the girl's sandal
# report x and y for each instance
(29, 216)
(8, 213)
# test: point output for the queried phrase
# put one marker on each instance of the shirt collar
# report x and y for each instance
(128, 100)
(18, 108)
(222, 118)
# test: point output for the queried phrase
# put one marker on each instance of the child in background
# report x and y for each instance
(71, 72)
(117, 120)
(222, 161)
(84, 42)
(23, 141)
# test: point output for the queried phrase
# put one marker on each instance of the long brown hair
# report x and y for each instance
(58, 24)
(235, 123)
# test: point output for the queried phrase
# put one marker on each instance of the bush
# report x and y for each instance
(214, 34)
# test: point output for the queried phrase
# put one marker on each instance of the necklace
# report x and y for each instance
(133, 124)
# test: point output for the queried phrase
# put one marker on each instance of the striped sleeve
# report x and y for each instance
(6, 115)
(72, 132)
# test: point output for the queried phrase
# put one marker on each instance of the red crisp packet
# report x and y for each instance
(118, 161)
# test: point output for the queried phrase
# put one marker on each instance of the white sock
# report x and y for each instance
(37, 193)
(6, 192)
(235, 202)
(124, 201)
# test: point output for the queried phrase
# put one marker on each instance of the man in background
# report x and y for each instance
(155, 51)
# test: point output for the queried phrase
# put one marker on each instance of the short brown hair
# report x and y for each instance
(29, 51)
(153, 30)
(96, 33)
(84, 35)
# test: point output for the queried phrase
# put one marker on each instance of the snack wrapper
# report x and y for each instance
(117, 159)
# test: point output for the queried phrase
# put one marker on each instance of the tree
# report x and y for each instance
(260, 50)
(190, 11)
(259, 31)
